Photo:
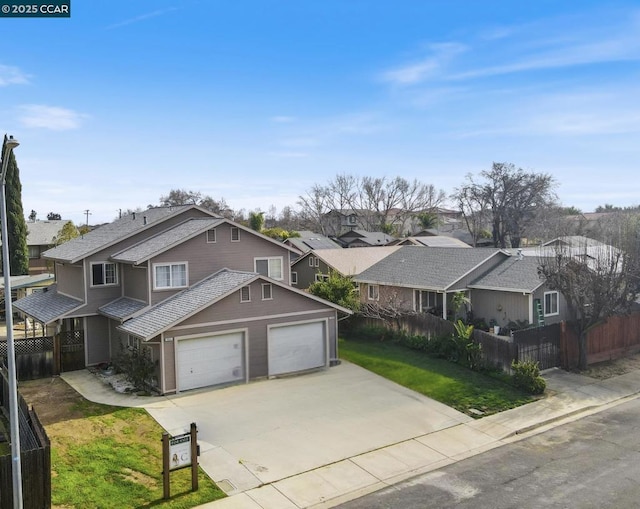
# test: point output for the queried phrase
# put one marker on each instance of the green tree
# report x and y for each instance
(53, 216)
(428, 220)
(256, 220)
(66, 233)
(16, 224)
(338, 289)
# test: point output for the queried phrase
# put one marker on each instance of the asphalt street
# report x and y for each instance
(593, 462)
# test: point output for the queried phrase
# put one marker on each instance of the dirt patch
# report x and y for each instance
(53, 399)
(608, 369)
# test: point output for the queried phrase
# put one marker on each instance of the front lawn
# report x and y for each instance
(107, 457)
(449, 383)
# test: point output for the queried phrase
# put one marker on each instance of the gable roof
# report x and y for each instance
(122, 308)
(371, 238)
(165, 240)
(48, 305)
(514, 274)
(111, 233)
(433, 268)
(433, 241)
(190, 301)
(315, 241)
(43, 233)
(350, 262)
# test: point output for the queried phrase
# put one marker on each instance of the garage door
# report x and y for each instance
(297, 348)
(210, 360)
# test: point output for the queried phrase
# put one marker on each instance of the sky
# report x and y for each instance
(257, 101)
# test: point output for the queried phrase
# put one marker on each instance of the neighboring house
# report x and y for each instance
(41, 236)
(363, 238)
(513, 291)
(424, 279)
(309, 240)
(209, 299)
(501, 287)
(431, 241)
(316, 265)
(21, 286)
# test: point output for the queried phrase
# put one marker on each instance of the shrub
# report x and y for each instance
(137, 365)
(526, 376)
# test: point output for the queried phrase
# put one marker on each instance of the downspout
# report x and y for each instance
(531, 308)
(444, 305)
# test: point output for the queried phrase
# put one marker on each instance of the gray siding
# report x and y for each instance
(70, 280)
(135, 283)
(562, 306)
(100, 295)
(205, 258)
(306, 274)
(97, 340)
(503, 307)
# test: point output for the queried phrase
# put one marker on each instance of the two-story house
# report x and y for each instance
(208, 298)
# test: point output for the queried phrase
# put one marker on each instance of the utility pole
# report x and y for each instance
(87, 213)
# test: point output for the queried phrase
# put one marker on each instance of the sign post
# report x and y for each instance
(180, 452)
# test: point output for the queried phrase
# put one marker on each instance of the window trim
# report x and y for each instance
(376, 292)
(270, 286)
(319, 276)
(171, 286)
(133, 342)
(215, 236)
(557, 306)
(294, 278)
(236, 230)
(269, 259)
(311, 261)
(248, 289)
(104, 272)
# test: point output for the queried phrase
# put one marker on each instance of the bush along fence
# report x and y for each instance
(463, 345)
(35, 456)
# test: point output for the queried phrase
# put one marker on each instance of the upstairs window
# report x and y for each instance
(270, 267)
(103, 274)
(235, 234)
(170, 275)
(267, 291)
(211, 236)
(294, 278)
(245, 294)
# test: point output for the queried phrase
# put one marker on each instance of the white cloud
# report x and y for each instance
(429, 67)
(142, 17)
(50, 117)
(10, 75)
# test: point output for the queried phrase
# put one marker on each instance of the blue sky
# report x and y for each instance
(255, 101)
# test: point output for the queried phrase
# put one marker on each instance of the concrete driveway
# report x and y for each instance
(267, 431)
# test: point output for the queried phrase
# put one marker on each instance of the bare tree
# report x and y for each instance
(511, 196)
(183, 197)
(596, 281)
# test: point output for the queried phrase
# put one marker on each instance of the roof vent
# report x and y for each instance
(520, 255)
(144, 220)
(134, 216)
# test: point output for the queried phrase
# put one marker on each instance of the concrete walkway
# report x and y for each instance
(301, 455)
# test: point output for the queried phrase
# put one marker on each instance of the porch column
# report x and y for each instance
(444, 305)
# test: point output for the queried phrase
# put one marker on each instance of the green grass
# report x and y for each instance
(112, 458)
(449, 383)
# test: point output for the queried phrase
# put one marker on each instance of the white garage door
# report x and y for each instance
(297, 347)
(210, 360)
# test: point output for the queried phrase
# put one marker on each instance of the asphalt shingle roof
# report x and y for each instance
(48, 305)
(122, 308)
(434, 268)
(350, 262)
(80, 247)
(165, 240)
(513, 274)
(182, 305)
(42, 233)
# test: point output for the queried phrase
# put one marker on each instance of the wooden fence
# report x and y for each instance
(617, 337)
(35, 456)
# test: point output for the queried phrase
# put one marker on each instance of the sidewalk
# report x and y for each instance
(569, 396)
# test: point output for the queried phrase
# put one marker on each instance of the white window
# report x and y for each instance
(294, 278)
(211, 236)
(170, 275)
(133, 343)
(235, 234)
(321, 277)
(373, 292)
(316, 261)
(311, 261)
(103, 273)
(267, 291)
(245, 294)
(551, 304)
(270, 267)
(424, 301)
